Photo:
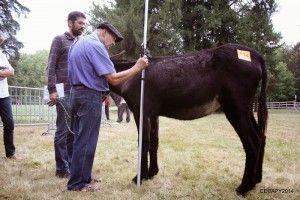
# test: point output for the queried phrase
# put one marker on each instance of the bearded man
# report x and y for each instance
(57, 72)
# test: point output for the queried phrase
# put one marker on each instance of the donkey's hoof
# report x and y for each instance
(243, 189)
(142, 178)
(135, 180)
(152, 173)
(240, 192)
(258, 179)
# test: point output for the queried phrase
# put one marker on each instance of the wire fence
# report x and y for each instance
(30, 109)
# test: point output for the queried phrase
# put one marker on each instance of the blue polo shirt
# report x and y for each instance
(88, 62)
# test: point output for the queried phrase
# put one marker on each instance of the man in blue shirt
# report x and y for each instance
(90, 70)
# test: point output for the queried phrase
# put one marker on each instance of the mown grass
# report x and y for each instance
(200, 159)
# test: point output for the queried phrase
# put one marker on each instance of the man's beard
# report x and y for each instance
(77, 32)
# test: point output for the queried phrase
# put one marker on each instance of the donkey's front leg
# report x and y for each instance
(145, 148)
(153, 168)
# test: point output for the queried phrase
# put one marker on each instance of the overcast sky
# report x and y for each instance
(48, 18)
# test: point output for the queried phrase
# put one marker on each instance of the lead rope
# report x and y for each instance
(66, 114)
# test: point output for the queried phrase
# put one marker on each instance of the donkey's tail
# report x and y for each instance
(262, 113)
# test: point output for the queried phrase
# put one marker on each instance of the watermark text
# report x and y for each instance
(276, 190)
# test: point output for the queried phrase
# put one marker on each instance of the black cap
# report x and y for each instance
(112, 29)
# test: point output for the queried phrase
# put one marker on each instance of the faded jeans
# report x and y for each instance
(86, 109)
(63, 140)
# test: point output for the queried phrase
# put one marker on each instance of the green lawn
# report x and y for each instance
(199, 159)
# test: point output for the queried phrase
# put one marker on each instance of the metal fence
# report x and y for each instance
(30, 109)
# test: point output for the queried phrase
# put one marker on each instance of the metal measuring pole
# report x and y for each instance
(142, 99)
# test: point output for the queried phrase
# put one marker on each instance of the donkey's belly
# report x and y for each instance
(195, 112)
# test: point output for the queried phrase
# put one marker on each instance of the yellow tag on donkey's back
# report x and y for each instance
(244, 55)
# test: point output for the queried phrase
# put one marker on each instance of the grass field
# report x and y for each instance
(200, 159)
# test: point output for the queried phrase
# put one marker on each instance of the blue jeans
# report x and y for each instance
(86, 109)
(63, 140)
(8, 126)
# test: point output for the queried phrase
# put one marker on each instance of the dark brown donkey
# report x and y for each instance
(191, 86)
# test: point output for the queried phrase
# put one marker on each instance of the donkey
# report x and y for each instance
(194, 85)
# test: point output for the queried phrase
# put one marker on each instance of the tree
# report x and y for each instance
(128, 17)
(30, 71)
(206, 24)
(183, 26)
(292, 58)
(281, 79)
(9, 9)
(283, 87)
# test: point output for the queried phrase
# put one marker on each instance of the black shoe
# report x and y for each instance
(62, 174)
(127, 120)
(119, 121)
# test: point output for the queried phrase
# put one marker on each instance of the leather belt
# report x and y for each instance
(79, 86)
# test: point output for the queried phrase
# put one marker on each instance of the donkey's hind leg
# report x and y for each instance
(241, 121)
(261, 150)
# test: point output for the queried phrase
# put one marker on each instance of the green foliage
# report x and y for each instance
(207, 23)
(9, 10)
(283, 83)
(128, 17)
(182, 26)
(292, 58)
(30, 70)
(210, 23)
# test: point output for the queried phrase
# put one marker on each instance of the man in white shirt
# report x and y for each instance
(6, 70)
